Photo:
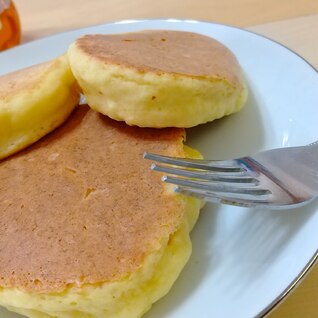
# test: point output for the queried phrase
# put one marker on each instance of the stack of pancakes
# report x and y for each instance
(87, 229)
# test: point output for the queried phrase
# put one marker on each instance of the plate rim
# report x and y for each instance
(314, 259)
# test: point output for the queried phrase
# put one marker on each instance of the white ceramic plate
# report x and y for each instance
(244, 260)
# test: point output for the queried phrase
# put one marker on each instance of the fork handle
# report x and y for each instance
(300, 164)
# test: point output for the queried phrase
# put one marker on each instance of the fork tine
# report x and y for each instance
(217, 188)
(206, 175)
(247, 201)
(280, 178)
(222, 166)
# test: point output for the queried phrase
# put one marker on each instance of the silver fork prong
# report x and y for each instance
(247, 201)
(206, 175)
(216, 187)
(222, 166)
(277, 178)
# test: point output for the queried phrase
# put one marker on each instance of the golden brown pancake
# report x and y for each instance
(158, 78)
(173, 52)
(33, 102)
(81, 206)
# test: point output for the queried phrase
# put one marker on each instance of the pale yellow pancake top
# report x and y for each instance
(25, 79)
(82, 206)
(173, 52)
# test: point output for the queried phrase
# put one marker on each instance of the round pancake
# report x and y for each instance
(33, 102)
(82, 215)
(158, 78)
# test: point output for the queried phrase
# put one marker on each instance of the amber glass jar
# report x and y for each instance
(10, 31)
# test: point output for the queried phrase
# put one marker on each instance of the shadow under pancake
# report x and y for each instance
(232, 136)
(9, 314)
(193, 274)
(142, 133)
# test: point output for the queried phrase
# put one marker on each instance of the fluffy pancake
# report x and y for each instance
(158, 78)
(33, 102)
(87, 229)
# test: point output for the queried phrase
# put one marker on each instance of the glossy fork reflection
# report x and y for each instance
(278, 179)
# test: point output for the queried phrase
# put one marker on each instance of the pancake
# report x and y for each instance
(33, 102)
(158, 78)
(88, 230)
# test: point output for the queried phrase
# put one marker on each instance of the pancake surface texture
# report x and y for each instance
(33, 102)
(158, 78)
(87, 229)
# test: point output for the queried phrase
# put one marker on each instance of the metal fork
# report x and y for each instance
(281, 178)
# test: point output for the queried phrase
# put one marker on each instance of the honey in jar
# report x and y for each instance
(10, 32)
